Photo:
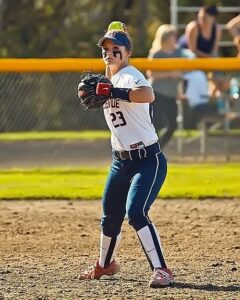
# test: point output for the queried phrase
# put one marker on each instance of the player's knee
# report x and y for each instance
(137, 221)
(110, 227)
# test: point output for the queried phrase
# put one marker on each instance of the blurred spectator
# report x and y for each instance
(226, 91)
(234, 28)
(165, 83)
(196, 94)
(237, 44)
(202, 36)
(219, 83)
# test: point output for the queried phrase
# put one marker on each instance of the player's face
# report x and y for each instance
(114, 55)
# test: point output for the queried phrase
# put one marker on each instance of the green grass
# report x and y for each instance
(89, 135)
(55, 135)
(183, 181)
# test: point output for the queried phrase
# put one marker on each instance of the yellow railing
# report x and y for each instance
(97, 65)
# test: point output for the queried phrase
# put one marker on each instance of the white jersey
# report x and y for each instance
(130, 123)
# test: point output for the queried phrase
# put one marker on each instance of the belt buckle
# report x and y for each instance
(122, 155)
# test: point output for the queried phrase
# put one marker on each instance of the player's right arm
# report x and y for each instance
(143, 94)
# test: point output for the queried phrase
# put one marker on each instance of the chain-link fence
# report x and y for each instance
(49, 102)
(44, 101)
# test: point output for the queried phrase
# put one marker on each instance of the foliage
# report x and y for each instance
(65, 28)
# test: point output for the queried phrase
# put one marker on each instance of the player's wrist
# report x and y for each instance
(108, 90)
(121, 93)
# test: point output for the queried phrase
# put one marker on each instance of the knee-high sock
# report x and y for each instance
(150, 240)
(108, 246)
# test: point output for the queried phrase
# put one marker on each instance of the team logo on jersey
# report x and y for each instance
(138, 145)
(112, 103)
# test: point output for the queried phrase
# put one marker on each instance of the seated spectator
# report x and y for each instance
(223, 86)
(234, 28)
(219, 84)
(165, 83)
(202, 36)
(225, 89)
(196, 93)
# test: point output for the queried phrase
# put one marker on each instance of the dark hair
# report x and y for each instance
(211, 10)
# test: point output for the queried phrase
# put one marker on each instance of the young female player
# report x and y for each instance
(138, 168)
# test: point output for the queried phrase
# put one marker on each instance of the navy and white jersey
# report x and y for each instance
(130, 123)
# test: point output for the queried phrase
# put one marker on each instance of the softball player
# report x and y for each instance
(138, 167)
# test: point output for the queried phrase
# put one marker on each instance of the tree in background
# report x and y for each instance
(66, 28)
(58, 28)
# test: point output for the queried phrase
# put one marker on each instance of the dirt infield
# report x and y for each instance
(43, 243)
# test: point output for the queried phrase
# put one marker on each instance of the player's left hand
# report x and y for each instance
(94, 90)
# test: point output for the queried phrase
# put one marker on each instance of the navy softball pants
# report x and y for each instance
(131, 188)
